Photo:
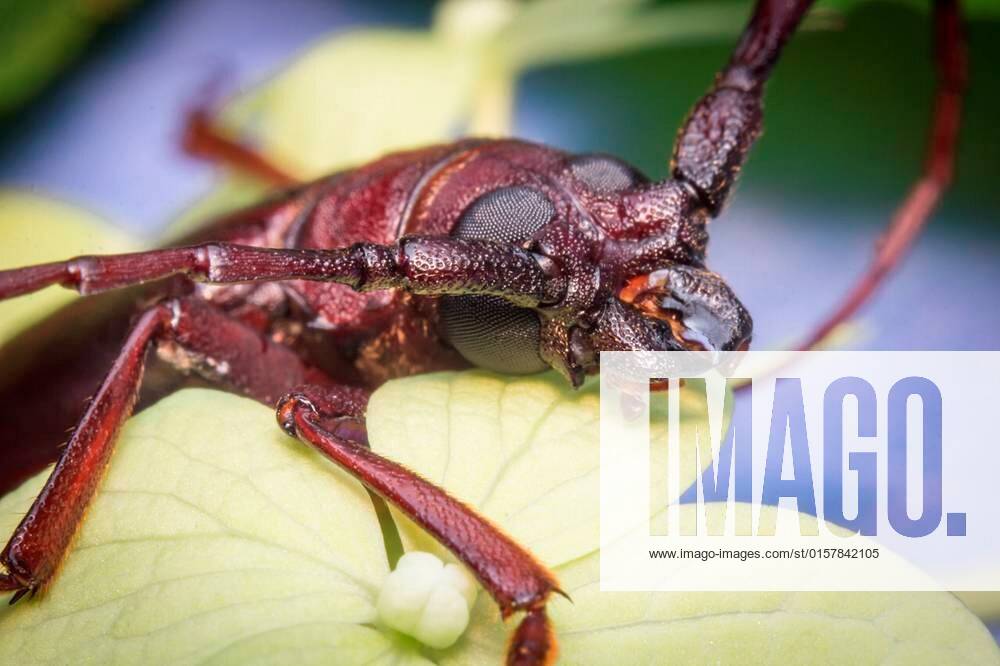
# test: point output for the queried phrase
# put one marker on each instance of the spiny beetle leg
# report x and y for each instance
(186, 330)
(41, 539)
(512, 576)
(418, 264)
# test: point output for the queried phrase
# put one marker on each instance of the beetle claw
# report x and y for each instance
(10, 583)
(287, 405)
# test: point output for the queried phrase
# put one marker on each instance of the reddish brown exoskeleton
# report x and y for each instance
(501, 254)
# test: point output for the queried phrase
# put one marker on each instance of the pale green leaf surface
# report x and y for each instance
(36, 230)
(743, 628)
(350, 99)
(533, 447)
(356, 96)
(346, 101)
(216, 538)
(213, 537)
(524, 451)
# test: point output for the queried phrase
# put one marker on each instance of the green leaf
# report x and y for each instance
(524, 451)
(745, 628)
(556, 31)
(216, 538)
(354, 97)
(36, 230)
(41, 37)
(359, 95)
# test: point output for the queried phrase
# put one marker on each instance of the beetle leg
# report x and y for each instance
(205, 139)
(515, 580)
(189, 332)
(40, 540)
(916, 209)
(418, 264)
(718, 133)
(327, 416)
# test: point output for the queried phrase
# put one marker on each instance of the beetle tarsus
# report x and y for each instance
(19, 595)
(285, 412)
(533, 643)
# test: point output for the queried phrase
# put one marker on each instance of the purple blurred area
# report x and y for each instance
(943, 297)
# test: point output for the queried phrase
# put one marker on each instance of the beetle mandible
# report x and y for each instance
(498, 253)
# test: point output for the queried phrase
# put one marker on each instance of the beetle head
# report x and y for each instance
(636, 279)
(630, 254)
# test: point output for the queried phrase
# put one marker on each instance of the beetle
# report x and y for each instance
(497, 253)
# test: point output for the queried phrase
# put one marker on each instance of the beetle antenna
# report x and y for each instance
(915, 211)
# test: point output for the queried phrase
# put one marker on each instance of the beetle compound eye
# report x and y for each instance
(509, 214)
(493, 334)
(488, 331)
(605, 174)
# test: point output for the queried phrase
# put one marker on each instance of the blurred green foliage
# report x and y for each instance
(40, 37)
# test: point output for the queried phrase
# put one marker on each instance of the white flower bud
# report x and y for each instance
(427, 599)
